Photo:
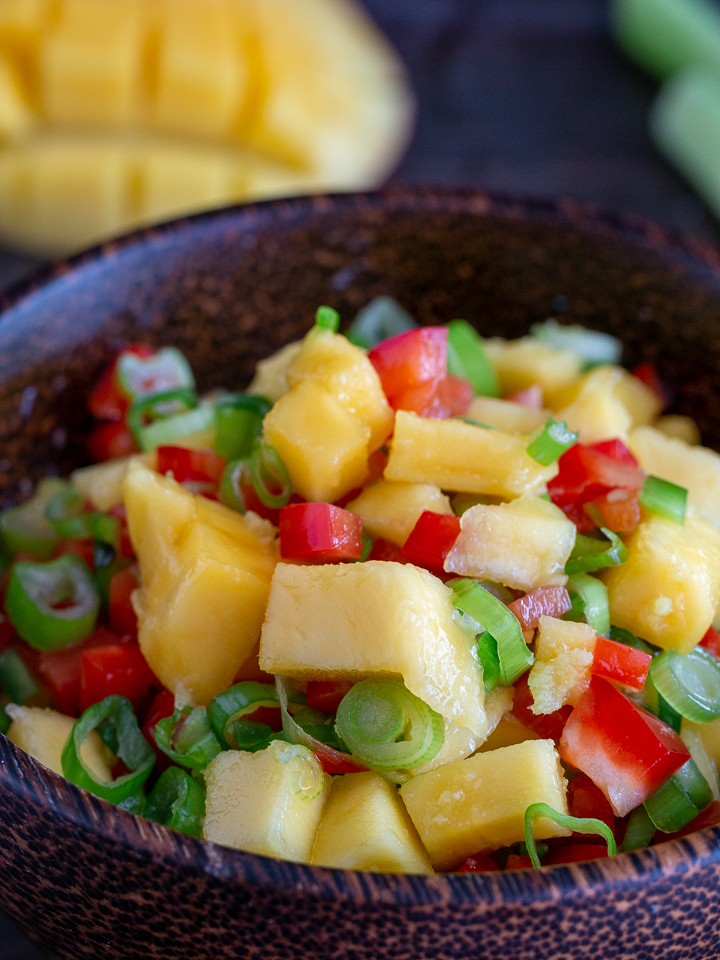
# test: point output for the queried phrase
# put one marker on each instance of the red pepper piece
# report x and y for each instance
(576, 853)
(647, 373)
(321, 532)
(334, 764)
(162, 706)
(110, 440)
(625, 750)
(194, 465)
(325, 695)
(616, 450)
(619, 510)
(59, 670)
(383, 550)
(543, 602)
(517, 862)
(529, 397)
(549, 726)
(586, 473)
(585, 799)
(711, 641)
(620, 663)
(452, 398)
(431, 539)
(411, 360)
(478, 863)
(114, 669)
(106, 400)
(123, 619)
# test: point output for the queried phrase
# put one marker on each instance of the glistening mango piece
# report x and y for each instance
(374, 619)
(507, 415)
(16, 115)
(561, 672)
(206, 575)
(523, 363)
(458, 456)
(390, 510)
(43, 734)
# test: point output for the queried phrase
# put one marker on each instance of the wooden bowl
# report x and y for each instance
(88, 881)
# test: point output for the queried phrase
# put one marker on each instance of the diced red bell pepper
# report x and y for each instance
(122, 616)
(110, 440)
(616, 450)
(647, 373)
(114, 669)
(517, 862)
(452, 398)
(408, 361)
(708, 817)
(620, 663)
(325, 695)
(586, 799)
(625, 750)
(431, 539)
(529, 397)
(270, 716)
(84, 549)
(542, 602)
(106, 400)
(619, 510)
(196, 465)
(588, 472)
(59, 670)
(335, 763)
(478, 863)
(321, 532)
(711, 641)
(549, 726)
(383, 550)
(576, 853)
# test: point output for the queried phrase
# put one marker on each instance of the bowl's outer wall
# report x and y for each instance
(87, 881)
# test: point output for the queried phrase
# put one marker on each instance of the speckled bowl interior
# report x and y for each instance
(88, 881)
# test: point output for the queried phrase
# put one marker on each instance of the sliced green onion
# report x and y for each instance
(467, 358)
(368, 544)
(187, 739)
(692, 738)
(167, 432)
(690, 683)
(664, 498)
(630, 640)
(270, 476)
(639, 832)
(514, 655)
(227, 711)
(15, 678)
(162, 406)
(591, 554)
(165, 370)
(234, 475)
(135, 803)
(52, 605)
(5, 721)
(488, 654)
(653, 701)
(327, 319)
(67, 515)
(592, 346)
(680, 799)
(538, 811)
(292, 732)
(239, 420)
(382, 318)
(105, 529)
(318, 725)
(115, 722)
(25, 528)
(177, 801)
(552, 443)
(594, 597)
(387, 727)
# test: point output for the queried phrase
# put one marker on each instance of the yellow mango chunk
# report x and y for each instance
(43, 734)
(391, 510)
(270, 379)
(680, 428)
(102, 483)
(16, 115)
(269, 802)
(507, 733)
(206, 575)
(561, 672)
(324, 447)
(523, 544)
(506, 415)
(480, 803)
(374, 619)
(345, 372)
(365, 826)
(695, 468)
(458, 456)
(22, 23)
(709, 735)
(522, 363)
(668, 589)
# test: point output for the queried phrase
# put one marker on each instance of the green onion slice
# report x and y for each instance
(551, 444)
(592, 346)
(270, 476)
(639, 832)
(169, 431)
(594, 602)
(166, 370)
(52, 605)
(239, 420)
(293, 732)
(653, 701)
(187, 739)
(488, 653)
(135, 803)
(67, 515)
(590, 554)
(227, 713)
(387, 727)
(327, 319)
(680, 799)
(234, 475)
(382, 318)
(25, 528)
(15, 678)
(177, 801)
(630, 640)
(467, 358)
(514, 655)
(690, 683)
(537, 811)
(114, 720)
(664, 498)
(161, 406)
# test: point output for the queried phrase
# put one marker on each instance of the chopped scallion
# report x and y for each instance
(177, 801)
(467, 358)
(542, 811)
(552, 443)
(15, 677)
(26, 528)
(270, 476)
(593, 346)
(590, 554)
(664, 498)
(187, 739)
(594, 596)
(639, 832)
(488, 653)
(327, 319)
(680, 799)
(227, 711)
(690, 683)
(239, 420)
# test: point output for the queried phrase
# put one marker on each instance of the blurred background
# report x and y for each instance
(524, 96)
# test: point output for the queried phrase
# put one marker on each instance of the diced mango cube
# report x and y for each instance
(365, 826)
(522, 363)
(679, 427)
(374, 619)
(324, 447)
(458, 456)
(480, 803)
(391, 510)
(270, 379)
(523, 544)
(507, 415)
(563, 658)
(508, 732)
(16, 115)
(43, 734)
(269, 802)
(102, 483)
(668, 589)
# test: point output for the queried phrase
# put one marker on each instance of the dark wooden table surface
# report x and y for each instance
(525, 96)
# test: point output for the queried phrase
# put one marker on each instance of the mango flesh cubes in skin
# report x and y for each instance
(480, 803)
(506, 415)
(458, 456)
(365, 827)
(205, 582)
(43, 734)
(561, 672)
(522, 363)
(523, 544)
(668, 589)
(269, 802)
(391, 510)
(377, 618)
